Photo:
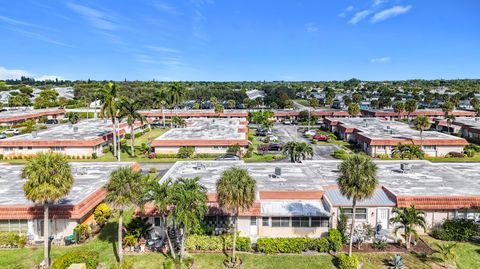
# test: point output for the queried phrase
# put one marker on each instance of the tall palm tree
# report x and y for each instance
(126, 188)
(176, 94)
(129, 109)
(302, 150)
(289, 148)
(450, 120)
(414, 151)
(189, 200)
(109, 109)
(410, 106)
(408, 218)
(235, 191)
(49, 178)
(422, 123)
(160, 101)
(353, 109)
(399, 107)
(357, 181)
(162, 202)
(447, 109)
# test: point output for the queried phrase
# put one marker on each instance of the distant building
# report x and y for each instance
(15, 116)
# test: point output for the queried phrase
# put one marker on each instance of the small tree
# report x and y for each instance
(73, 117)
(447, 252)
(399, 108)
(185, 152)
(231, 104)
(353, 110)
(219, 108)
(410, 106)
(234, 149)
(408, 219)
(102, 213)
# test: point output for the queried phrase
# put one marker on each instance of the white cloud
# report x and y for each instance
(18, 73)
(311, 27)
(162, 6)
(96, 18)
(390, 13)
(380, 60)
(163, 49)
(359, 16)
(379, 2)
(347, 10)
(15, 22)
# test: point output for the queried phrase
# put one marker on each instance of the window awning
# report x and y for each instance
(293, 208)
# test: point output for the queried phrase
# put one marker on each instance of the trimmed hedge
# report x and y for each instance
(336, 239)
(292, 245)
(217, 243)
(456, 230)
(12, 239)
(90, 258)
(347, 262)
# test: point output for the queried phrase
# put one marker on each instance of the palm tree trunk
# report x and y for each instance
(234, 261)
(182, 245)
(114, 137)
(120, 230)
(407, 237)
(354, 206)
(421, 138)
(169, 242)
(118, 145)
(132, 141)
(163, 116)
(45, 234)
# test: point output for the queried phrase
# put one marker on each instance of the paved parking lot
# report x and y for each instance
(288, 133)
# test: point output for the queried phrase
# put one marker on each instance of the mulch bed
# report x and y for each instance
(421, 247)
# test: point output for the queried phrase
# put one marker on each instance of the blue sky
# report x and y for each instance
(236, 40)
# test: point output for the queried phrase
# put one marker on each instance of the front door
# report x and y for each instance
(253, 226)
(383, 217)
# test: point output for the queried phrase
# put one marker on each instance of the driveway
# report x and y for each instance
(288, 133)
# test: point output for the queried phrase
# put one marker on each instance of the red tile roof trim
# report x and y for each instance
(274, 195)
(32, 115)
(439, 202)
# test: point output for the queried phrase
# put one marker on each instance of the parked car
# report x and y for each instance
(11, 131)
(320, 137)
(274, 147)
(270, 138)
(228, 157)
(2, 136)
(287, 122)
(310, 132)
(261, 133)
(51, 121)
(156, 124)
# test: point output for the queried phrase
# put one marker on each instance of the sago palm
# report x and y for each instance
(129, 109)
(357, 181)
(49, 179)
(407, 219)
(126, 188)
(109, 109)
(235, 192)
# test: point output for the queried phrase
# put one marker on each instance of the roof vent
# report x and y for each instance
(75, 129)
(405, 167)
(34, 134)
(81, 171)
(278, 171)
(199, 166)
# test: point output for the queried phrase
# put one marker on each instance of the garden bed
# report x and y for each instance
(420, 247)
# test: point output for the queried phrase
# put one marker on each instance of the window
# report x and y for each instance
(319, 222)
(253, 221)
(470, 214)
(280, 222)
(381, 147)
(20, 148)
(4, 226)
(29, 148)
(15, 225)
(361, 213)
(429, 147)
(57, 148)
(156, 222)
(266, 221)
(300, 222)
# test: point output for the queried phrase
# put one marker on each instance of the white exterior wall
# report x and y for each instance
(57, 227)
(372, 217)
(439, 151)
(198, 150)
(70, 151)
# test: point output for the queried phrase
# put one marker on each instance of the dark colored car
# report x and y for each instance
(52, 121)
(320, 137)
(274, 147)
(261, 133)
(228, 157)
(2, 136)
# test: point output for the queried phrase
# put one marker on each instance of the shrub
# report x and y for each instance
(139, 228)
(130, 240)
(473, 147)
(456, 230)
(395, 262)
(217, 243)
(94, 155)
(347, 262)
(90, 258)
(42, 127)
(81, 232)
(207, 155)
(234, 149)
(167, 156)
(339, 154)
(106, 149)
(185, 152)
(335, 239)
(292, 245)
(153, 170)
(137, 135)
(455, 155)
(9, 239)
(125, 264)
(469, 152)
(379, 244)
(102, 213)
(332, 137)
(1, 156)
(127, 136)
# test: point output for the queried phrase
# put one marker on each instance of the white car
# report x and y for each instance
(287, 122)
(11, 131)
(310, 132)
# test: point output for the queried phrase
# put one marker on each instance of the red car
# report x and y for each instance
(320, 137)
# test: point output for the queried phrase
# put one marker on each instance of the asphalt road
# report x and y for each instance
(288, 133)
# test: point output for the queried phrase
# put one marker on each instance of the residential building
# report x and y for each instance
(376, 136)
(391, 114)
(15, 116)
(206, 135)
(468, 127)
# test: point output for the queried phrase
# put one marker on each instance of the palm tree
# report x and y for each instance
(422, 123)
(447, 109)
(302, 150)
(160, 101)
(189, 200)
(289, 148)
(414, 151)
(400, 150)
(447, 252)
(357, 181)
(410, 106)
(162, 202)
(408, 218)
(73, 117)
(49, 178)
(176, 94)
(399, 107)
(353, 109)
(125, 189)
(236, 191)
(231, 104)
(129, 110)
(109, 109)
(450, 120)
